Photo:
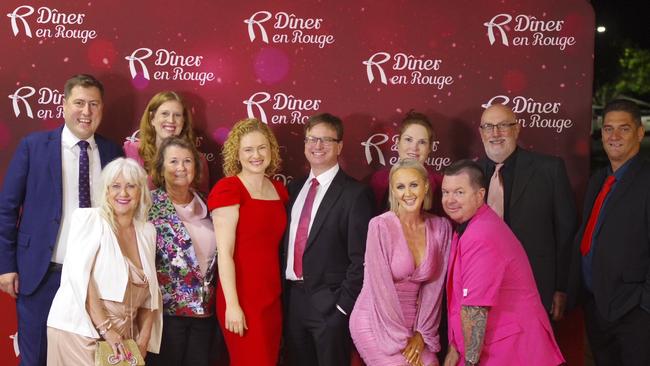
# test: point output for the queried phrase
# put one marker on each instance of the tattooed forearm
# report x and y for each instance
(474, 319)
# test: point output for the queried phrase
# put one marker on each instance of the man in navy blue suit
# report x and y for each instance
(51, 174)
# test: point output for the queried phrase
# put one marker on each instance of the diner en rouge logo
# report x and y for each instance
(287, 29)
(169, 65)
(527, 30)
(406, 69)
(50, 102)
(372, 151)
(49, 23)
(532, 113)
(287, 109)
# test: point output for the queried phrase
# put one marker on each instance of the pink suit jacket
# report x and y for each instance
(488, 267)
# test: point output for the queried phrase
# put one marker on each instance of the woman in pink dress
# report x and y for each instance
(396, 317)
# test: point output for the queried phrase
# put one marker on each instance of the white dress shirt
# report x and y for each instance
(324, 181)
(70, 184)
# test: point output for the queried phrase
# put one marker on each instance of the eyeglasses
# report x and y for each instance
(326, 141)
(488, 127)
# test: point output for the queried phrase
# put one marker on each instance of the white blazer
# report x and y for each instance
(92, 240)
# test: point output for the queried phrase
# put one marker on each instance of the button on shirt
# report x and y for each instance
(70, 184)
(324, 181)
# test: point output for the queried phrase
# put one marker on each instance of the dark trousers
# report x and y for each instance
(32, 311)
(624, 342)
(188, 341)
(312, 338)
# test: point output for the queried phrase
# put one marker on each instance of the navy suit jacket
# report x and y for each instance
(31, 205)
(621, 253)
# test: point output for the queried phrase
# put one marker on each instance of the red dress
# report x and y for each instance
(257, 271)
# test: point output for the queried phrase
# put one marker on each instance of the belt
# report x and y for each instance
(299, 284)
(55, 267)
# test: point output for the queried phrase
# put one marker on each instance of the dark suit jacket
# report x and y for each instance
(543, 216)
(621, 257)
(333, 258)
(31, 205)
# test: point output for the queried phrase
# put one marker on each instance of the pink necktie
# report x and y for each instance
(302, 233)
(495, 192)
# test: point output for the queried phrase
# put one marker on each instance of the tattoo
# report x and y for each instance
(474, 320)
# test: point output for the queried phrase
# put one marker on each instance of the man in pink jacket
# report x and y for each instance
(495, 313)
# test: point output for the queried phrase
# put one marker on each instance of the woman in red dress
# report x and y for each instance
(249, 220)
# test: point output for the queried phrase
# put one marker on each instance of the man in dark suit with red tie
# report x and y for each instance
(324, 248)
(51, 174)
(614, 241)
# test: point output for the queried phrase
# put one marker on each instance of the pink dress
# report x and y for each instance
(489, 267)
(398, 298)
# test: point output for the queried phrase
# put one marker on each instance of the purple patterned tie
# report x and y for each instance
(84, 181)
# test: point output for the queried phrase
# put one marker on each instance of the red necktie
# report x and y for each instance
(302, 233)
(585, 244)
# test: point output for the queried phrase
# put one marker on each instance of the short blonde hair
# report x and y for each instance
(417, 166)
(132, 172)
(230, 152)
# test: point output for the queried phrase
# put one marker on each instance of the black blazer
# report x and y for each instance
(542, 214)
(334, 254)
(621, 257)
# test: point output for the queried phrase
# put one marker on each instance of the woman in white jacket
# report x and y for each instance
(108, 286)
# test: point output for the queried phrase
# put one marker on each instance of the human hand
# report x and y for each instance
(452, 357)
(9, 283)
(235, 320)
(413, 349)
(142, 346)
(558, 306)
(115, 340)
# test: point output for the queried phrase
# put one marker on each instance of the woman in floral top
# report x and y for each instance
(185, 256)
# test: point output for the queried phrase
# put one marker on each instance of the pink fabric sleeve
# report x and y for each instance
(482, 273)
(387, 320)
(427, 321)
(131, 151)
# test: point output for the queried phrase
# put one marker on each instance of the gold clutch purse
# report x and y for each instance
(104, 354)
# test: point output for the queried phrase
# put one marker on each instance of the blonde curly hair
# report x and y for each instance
(230, 153)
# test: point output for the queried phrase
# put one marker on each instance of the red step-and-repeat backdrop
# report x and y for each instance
(368, 62)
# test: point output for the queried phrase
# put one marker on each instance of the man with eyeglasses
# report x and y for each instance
(324, 249)
(50, 175)
(532, 193)
(614, 242)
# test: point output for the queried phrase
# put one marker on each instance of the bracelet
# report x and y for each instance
(103, 331)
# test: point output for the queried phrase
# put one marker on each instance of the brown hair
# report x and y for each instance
(158, 173)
